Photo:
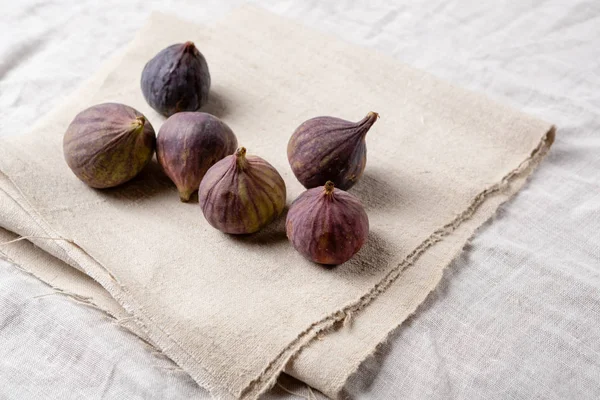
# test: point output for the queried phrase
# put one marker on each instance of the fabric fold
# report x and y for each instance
(236, 311)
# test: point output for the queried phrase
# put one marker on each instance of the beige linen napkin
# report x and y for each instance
(234, 311)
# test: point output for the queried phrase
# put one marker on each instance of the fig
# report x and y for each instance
(108, 144)
(330, 149)
(188, 144)
(241, 194)
(327, 225)
(176, 79)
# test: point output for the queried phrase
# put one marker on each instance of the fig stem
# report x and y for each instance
(189, 47)
(185, 195)
(329, 188)
(240, 152)
(140, 122)
(367, 122)
(240, 158)
(373, 114)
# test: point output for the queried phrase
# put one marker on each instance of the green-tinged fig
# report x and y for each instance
(176, 79)
(330, 149)
(241, 194)
(108, 144)
(188, 144)
(327, 225)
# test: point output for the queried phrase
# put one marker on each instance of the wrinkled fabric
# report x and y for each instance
(53, 348)
(556, 45)
(56, 347)
(229, 309)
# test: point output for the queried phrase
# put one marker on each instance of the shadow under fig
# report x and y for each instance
(371, 261)
(375, 192)
(148, 183)
(217, 104)
(273, 233)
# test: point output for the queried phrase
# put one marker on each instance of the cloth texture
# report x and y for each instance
(89, 356)
(54, 348)
(234, 322)
(571, 103)
(229, 310)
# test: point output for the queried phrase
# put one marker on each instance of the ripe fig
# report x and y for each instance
(188, 144)
(328, 148)
(327, 225)
(241, 194)
(176, 79)
(108, 144)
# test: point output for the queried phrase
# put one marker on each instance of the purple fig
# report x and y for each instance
(108, 144)
(330, 149)
(327, 225)
(188, 144)
(241, 194)
(176, 79)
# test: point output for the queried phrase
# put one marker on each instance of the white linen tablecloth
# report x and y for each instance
(516, 316)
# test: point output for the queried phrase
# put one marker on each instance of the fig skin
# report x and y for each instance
(188, 144)
(327, 225)
(241, 194)
(176, 79)
(108, 144)
(328, 148)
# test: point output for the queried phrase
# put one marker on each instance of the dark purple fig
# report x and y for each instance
(241, 194)
(327, 225)
(108, 144)
(176, 79)
(188, 144)
(330, 149)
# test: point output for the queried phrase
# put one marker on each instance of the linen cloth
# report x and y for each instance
(69, 351)
(234, 322)
(510, 86)
(89, 355)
